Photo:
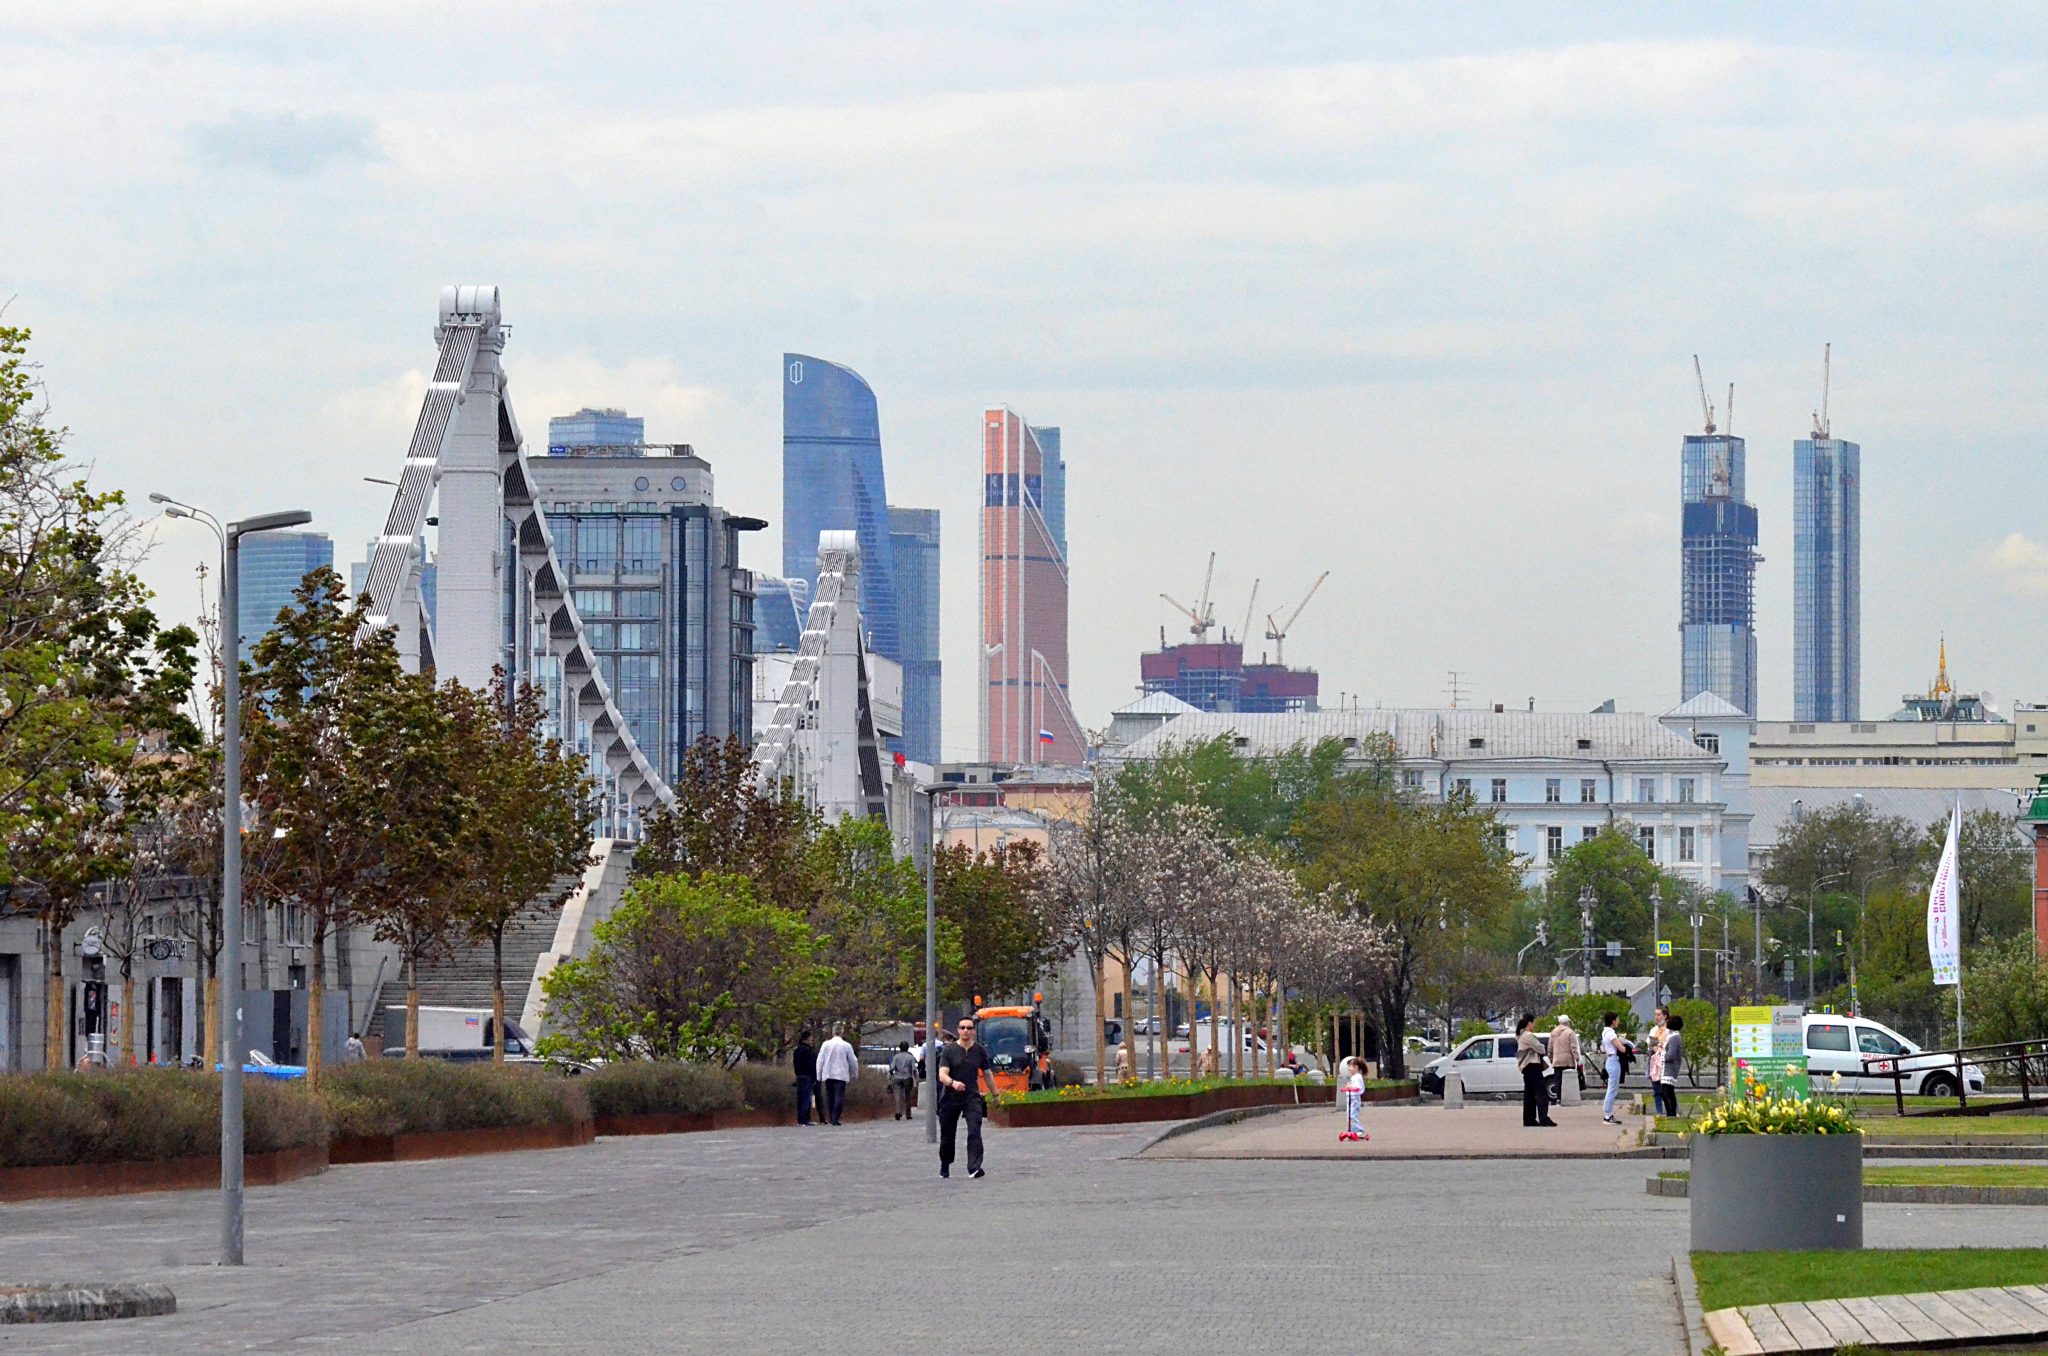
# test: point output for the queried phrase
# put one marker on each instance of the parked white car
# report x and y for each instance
(1838, 1044)
(1484, 1064)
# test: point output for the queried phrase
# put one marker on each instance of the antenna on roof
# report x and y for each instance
(1455, 687)
(1728, 414)
(1821, 424)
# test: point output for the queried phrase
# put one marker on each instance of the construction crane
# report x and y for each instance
(1202, 615)
(1246, 629)
(1706, 406)
(1821, 426)
(1277, 633)
(1728, 412)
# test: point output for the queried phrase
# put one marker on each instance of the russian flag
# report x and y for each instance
(1045, 736)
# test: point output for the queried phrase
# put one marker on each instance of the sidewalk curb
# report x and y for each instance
(1690, 1318)
(1215, 1118)
(84, 1303)
(1676, 1188)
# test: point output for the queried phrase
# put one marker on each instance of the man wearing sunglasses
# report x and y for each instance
(962, 1067)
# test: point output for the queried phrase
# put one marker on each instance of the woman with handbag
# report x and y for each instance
(1529, 1059)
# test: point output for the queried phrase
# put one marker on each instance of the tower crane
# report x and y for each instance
(1202, 615)
(1728, 412)
(1706, 406)
(1277, 632)
(1246, 629)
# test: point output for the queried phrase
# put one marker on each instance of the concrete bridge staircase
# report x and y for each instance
(536, 940)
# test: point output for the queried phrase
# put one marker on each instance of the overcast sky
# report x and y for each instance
(1405, 293)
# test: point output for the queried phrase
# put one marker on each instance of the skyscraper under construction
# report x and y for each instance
(1717, 569)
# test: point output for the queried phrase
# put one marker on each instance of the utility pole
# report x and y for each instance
(1656, 937)
(1696, 920)
(1586, 937)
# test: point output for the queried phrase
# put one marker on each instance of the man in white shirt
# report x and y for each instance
(837, 1066)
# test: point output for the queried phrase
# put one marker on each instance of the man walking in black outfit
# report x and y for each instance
(962, 1067)
(804, 1062)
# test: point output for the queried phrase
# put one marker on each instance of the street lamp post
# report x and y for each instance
(231, 850)
(931, 962)
(1810, 892)
(1586, 938)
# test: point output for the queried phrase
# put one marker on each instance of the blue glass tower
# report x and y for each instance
(1827, 579)
(1717, 573)
(1052, 498)
(273, 565)
(594, 428)
(914, 538)
(832, 481)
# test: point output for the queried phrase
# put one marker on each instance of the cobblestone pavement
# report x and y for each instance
(1488, 1130)
(773, 1241)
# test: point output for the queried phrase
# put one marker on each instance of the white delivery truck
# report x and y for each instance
(453, 1033)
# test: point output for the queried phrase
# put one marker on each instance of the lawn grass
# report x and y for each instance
(1730, 1279)
(1955, 1174)
(2020, 1127)
(1170, 1087)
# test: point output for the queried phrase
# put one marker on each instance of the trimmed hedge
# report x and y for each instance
(645, 1087)
(415, 1096)
(766, 1087)
(145, 1115)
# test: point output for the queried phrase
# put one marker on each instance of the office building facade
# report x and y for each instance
(1827, 587)
(1055, 486)
(273, 566)
(1717, 573)
(653, 565)
(914, 543)
(1027, 716)
(571, 435)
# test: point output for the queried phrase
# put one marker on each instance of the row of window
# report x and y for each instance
(1589, 790)
(1646, 834)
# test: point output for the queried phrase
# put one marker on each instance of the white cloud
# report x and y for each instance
(2020, 563)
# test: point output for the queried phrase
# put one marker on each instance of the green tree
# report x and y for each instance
(1895, 982)
(1995, 869)
(1252, 797)
(326, 721)
(531, 834)
(722, 824)
(690, 968)
(994, 903)
(1622, 876)
(2005, 994)
(1705, 1036)
(1847, 849)
(867, 912)
(1417, 868)
(91, 688)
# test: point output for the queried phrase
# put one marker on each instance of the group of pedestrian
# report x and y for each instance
(822, 1073)
(1545, 1069)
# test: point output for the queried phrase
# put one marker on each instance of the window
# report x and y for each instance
(1507, 1047)
(1646, 790)
(642, 553)
(639, 602)
(1646, 836)
(639, 636)
(1588, 833)
(1478, 1049)
(1500, 790)
(1685, 790)
(1411, 777)
(1553, 790)
(1588, 795)
(1874, 1042)
(1710, 742)
(1464, 785)
(593, 602)
(1553, 842)
(1827, 1036)
(1686, 844)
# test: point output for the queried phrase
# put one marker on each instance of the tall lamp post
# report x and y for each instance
(1810, 953)
(1586, 938)
(931, 796)
(230, 537)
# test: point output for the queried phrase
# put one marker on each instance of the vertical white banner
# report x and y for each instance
(1944, 946)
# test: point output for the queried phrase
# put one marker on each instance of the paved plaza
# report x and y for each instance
(788, 1241)
(1478, 1130)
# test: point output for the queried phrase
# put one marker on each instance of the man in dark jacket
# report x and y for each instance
(804, 1061)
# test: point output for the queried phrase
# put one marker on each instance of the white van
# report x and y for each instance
(1484, 1064)
(1837, 1044)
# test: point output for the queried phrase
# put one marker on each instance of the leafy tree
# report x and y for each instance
(689, 968)
(531, 831)
(867, 914)
(721, 824)
(1895, 982)
(2005, 994)
(1848, 849)
(994, 903)
(326, 720)
(1585, 1010)
(1995, 869)
(1258, 797)
(86, 676)
(1095, 874)
(1413, 867)
(1622, 876)
(1705, 1036)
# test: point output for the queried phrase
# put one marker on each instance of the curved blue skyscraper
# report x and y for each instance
(832, 480)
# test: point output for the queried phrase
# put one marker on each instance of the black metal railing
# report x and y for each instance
(2024, 1055)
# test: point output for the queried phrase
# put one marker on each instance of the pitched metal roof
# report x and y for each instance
(1706, 703)
(1156, 704)
(1446, 735)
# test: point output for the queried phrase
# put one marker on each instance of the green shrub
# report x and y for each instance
(1068, 1072)
(766, 1087)
(416, 1096)
(144, 1115)
(870, 1090)
(638, 1087)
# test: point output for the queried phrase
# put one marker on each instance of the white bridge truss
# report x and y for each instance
(822, 739)
(466, 450)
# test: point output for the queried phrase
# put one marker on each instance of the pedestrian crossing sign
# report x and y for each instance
(1560, 987)
(1664, 949)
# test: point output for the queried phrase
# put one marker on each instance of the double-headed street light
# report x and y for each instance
(231, 1057)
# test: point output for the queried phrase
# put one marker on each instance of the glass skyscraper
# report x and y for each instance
(832, 480)
(1827, 579)
(914, 540)
(1717, 573)
(1053, 490)
(273, 566)
(1026, 716)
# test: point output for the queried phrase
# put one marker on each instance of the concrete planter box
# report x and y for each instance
(655, 1123)
(173, 1174)
(1759, 1193)
(1180, 1106)
(496, 1139)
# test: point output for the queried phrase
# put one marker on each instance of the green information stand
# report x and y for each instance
(1768, 1044)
